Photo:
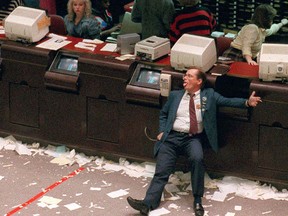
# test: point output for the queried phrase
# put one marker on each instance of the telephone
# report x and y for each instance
(165, 84)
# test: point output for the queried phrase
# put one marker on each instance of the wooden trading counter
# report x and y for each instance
(103, 115)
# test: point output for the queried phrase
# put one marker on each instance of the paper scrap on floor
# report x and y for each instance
(158, 212)
(73, 206)
(118, 193)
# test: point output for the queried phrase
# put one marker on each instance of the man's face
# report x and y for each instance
(191, 83)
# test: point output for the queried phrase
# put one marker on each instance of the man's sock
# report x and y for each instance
(197, 199)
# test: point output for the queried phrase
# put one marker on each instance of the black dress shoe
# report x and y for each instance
(138, 205)
(198, 209)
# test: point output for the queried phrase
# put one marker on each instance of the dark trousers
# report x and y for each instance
(176, 144)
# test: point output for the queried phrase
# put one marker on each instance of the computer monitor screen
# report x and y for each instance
(68, 63)
(65, 63)
(147, 77)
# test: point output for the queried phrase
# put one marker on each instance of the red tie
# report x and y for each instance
(193, 121)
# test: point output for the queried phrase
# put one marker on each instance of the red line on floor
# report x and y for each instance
(76, 172)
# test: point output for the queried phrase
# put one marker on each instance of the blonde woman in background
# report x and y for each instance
(80, 22)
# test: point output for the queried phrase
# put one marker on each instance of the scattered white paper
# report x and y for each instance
(42, 204)
(61, 160)
(173, 206)
(125, 57)
(26, 163)
(105, 184)
(171, 188)
(94, 41)
(52, 206)
(95, 189)
(230, 198)
(109, 47)
(229, 214)
(92, 205)
(53, 44)
(227, 185)
(22, 149)
(81, 158)
(238, 208)
(230, 35)
(150, 167)
(2, 143)
(72, 206)
(81, 45)
(52, 35)
(118, 193)
(11, 147)
(173, 198)
(114, 167)
(10, 139)
(133, 173)
(158, 212)
(50, 200)
(267, 212)
(218, 196)
(33, 183)
(86, 182)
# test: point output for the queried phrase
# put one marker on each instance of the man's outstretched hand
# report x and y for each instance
(253, 100)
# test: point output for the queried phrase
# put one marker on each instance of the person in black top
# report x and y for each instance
(103, 16)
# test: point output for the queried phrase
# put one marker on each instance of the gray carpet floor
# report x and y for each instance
(25, 180)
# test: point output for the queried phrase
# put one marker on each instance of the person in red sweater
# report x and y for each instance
(192, 19)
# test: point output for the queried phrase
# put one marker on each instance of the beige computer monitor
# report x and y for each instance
(193, 51)
(27, 24)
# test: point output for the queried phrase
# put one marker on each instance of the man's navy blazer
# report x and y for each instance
(209, 102)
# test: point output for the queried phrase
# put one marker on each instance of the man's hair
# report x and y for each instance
(71, 14)
(201, 75)
(263, 16)
(188, 2)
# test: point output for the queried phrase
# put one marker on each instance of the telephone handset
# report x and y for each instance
(165, 84)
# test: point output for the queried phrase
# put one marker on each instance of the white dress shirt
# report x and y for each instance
(182, 121)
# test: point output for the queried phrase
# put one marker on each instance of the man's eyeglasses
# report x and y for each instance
(189, 76)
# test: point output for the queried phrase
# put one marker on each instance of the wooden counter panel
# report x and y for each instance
(24, 105)
(63, 117)
(102, 87)
(23, 72)
(133, 123)
(275, 138)
(103, 120)
(105, 66)
(26, 53)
